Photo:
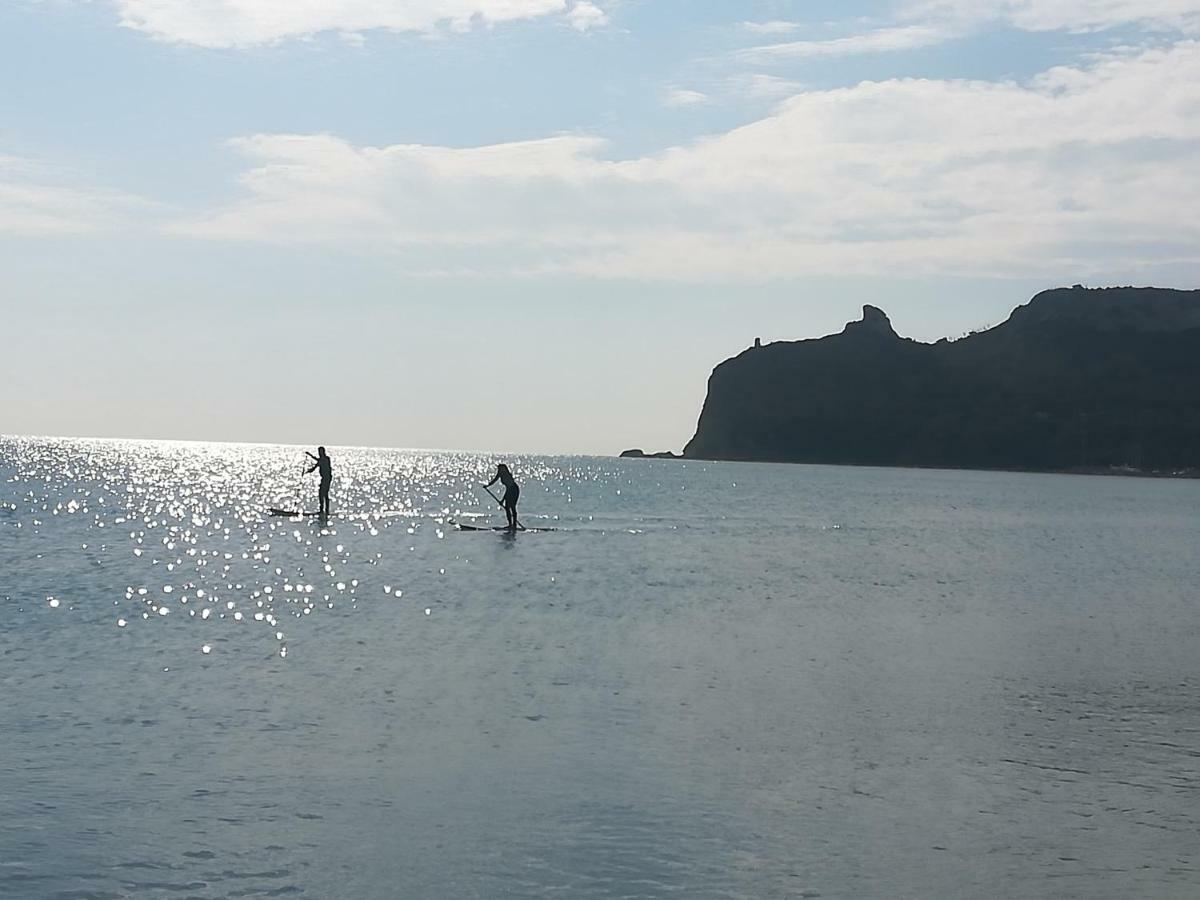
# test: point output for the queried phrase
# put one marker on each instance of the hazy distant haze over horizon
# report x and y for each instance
(537, 225)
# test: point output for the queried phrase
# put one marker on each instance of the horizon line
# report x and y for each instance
(287, 444)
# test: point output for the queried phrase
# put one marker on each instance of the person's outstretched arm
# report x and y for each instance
(493, 481)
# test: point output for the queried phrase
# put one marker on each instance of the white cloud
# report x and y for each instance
(1077, 170)
(759, 86)
(684, 97)
(925, 23)
(585, 16)
(1070, 15)
(243, 23)
(37, 202)
(882, 40)
(774, 26)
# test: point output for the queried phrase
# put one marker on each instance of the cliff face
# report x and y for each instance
(1075, 378)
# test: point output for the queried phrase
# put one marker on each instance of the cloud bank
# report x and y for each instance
(1080, 169)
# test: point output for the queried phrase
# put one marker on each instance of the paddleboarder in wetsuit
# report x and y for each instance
(512, 493)
(323, 463)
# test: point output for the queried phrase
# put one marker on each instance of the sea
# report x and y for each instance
(684, 679)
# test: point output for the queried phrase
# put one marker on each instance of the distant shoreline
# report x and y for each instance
(1106, 471)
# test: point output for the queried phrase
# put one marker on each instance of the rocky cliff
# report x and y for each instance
(1074, 379)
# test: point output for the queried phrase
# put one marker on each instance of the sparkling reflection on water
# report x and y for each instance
(195, 519)
(707, 681)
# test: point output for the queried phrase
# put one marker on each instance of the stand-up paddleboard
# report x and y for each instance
(291, 513)
(499, 528)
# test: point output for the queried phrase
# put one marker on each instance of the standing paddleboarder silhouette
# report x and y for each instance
(512, 493)
(322, 462)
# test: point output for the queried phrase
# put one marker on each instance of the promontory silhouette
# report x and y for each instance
(1077, 379)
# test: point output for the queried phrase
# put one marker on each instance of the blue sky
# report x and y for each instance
(538, 224)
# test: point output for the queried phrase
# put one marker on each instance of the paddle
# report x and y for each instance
(300, 485)
(500, 503)
(292, 513)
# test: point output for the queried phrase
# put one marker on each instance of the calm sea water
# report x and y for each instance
(710, 681)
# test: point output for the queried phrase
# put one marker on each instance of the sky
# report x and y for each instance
(537, 225)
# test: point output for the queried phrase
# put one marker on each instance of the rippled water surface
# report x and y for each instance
(706, 681)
